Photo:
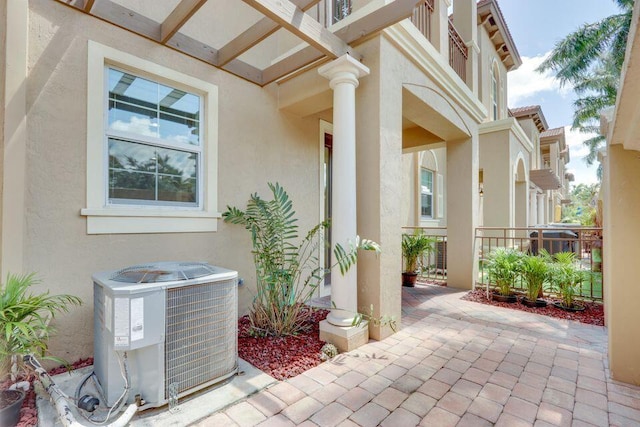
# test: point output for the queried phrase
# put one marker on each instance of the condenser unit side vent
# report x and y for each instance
(201, 325)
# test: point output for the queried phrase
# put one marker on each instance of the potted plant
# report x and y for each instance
(503, 266)
(566, 278)
(414, 246)
(534, 272)
(24, 329)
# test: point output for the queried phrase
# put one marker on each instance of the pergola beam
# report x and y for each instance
(178, 17)
(254, 35)
(365, 26)
(88, 5)
(293, 19)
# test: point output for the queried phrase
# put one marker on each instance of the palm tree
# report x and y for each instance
(590, 59)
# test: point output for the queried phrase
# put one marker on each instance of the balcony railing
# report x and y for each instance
(457, 53)
(585, 242)
(421, 17)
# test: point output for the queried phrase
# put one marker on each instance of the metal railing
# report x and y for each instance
(421, 17)
(432, 267)
(585, 242)
(458, 53)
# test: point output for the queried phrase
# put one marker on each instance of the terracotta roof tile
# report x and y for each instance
(552, 132)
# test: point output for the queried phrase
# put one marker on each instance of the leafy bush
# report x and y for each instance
(24, 321)
(504, 266)
(535, 271)
(287, 272)
(413, 247)
(567, 277)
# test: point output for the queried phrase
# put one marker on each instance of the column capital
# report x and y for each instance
(344, 69)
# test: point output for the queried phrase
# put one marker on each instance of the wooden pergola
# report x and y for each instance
(320, 43)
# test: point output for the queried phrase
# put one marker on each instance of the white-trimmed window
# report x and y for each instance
(495, 92)
(153, 140)
(151, 147)
(426, 193)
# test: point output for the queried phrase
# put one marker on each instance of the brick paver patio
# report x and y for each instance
(454, 363)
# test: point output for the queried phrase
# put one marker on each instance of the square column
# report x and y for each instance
(621, 237)
(462, 187)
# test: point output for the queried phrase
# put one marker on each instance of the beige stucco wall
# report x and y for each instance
(257, 144)
(505, 162)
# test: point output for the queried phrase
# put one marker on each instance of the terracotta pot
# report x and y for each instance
(574, 307)
(504, 298)
(409, 279)
(533, 303)
(10, 404)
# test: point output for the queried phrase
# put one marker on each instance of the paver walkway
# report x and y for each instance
(454, 363)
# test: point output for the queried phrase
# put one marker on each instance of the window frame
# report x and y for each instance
(156, 142)
(430, 193)
(114, 218)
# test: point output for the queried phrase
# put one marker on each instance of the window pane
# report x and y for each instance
(176, 189)
(174, 162)
(132, 118)
(131, 185)
(143, 172)
(147, 108)
(130, 156)
(130, 88)
(425, 205)
(426, 179)
(179, 129)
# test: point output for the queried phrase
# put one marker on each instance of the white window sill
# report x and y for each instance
(133, 221)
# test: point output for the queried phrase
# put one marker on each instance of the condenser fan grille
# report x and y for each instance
(201, 334)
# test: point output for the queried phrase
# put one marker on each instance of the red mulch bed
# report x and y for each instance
(282, 357)
(592, 315)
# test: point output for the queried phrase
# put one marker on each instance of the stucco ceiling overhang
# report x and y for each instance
(546, 179)
(490, 15)
(224, 33)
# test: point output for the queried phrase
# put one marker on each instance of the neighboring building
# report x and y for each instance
(621, 204)
(555, 156)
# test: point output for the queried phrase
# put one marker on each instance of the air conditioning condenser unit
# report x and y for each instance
(176, 325)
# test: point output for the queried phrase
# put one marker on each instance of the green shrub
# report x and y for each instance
(25, 321)
(503, 266)
(535, 271)
(288, 271)
(413, 247)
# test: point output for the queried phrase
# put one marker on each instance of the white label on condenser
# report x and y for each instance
(121, 321)
(137, 319)
(108, 312)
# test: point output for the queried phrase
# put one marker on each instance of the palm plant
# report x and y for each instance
(590, 59)
(535, 271)
(25, 321)
(415, 246)
(287, 271)
(567, 277)
(503, 266)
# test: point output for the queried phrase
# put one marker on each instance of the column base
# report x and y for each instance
(344, 338)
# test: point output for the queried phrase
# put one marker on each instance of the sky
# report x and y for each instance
(536, 26)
